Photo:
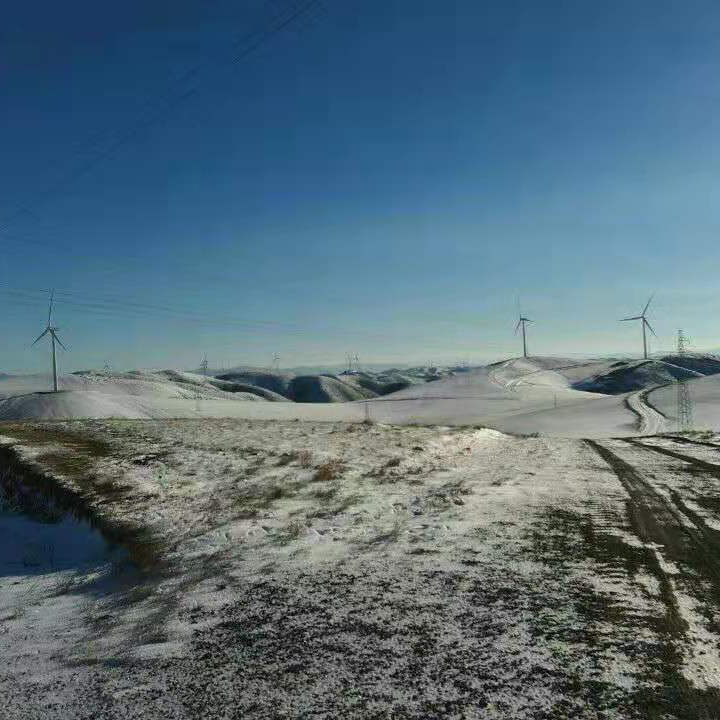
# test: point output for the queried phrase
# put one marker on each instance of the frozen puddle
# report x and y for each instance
(38, 537)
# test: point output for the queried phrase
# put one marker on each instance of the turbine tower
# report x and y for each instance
(51, 330)
(645, 324)
(522, 321)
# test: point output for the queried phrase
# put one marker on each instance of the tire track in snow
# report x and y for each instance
(692, 460)
(652, 516)
(690, 441)
(650, 420)
(685, 560)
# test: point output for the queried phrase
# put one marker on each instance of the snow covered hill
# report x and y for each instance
(549, 396)
(621, 376)
(323, 388)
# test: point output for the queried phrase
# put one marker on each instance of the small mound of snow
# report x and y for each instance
(69, 404)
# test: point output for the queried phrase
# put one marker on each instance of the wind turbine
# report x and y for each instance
(645, 324)
(521, 324)
(51, 330)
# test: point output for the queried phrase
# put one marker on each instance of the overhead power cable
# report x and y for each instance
(103, 308)
(241, 49)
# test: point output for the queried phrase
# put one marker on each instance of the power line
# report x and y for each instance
(106, 308)
(100, 305)
(253, 41)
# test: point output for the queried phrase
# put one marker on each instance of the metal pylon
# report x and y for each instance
(684, 398)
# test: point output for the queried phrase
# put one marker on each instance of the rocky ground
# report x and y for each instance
(324, 570)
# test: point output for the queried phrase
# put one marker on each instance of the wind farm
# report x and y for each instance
(475, 472)
(359, 361)
(566, 396)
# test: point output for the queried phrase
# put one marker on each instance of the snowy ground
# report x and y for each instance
(327, 570)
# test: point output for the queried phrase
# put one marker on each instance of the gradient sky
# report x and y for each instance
(382, 177)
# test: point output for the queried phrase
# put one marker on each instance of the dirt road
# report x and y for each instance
(650, 420)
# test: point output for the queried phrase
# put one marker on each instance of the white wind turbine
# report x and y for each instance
(52, 332)
(522, 321)
(645, 324)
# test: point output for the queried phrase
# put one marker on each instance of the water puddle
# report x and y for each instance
(39, 534)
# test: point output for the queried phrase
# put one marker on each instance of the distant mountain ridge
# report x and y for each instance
(327, 387)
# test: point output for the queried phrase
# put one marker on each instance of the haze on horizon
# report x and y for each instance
(381, 177)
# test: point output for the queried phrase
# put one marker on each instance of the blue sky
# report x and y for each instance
(384, 177)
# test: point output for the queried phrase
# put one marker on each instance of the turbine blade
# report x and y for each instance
(59, 342)
(637, 317)
(517, 327)
(40, 337)
(649, 326)
(648, 303)
(50, 307)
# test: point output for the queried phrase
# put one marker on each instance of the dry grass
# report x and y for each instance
(290, 532)
(329, 470)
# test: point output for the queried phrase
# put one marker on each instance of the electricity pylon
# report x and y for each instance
(682, 343)
(684, 399)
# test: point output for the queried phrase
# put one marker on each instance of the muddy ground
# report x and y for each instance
(298, 570)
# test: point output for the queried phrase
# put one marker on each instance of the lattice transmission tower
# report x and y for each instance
(684, 399)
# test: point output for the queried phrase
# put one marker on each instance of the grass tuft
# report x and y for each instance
(329, 470)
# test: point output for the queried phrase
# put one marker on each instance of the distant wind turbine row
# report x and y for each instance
(522, 321)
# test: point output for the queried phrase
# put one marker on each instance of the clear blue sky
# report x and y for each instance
(384, 177)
